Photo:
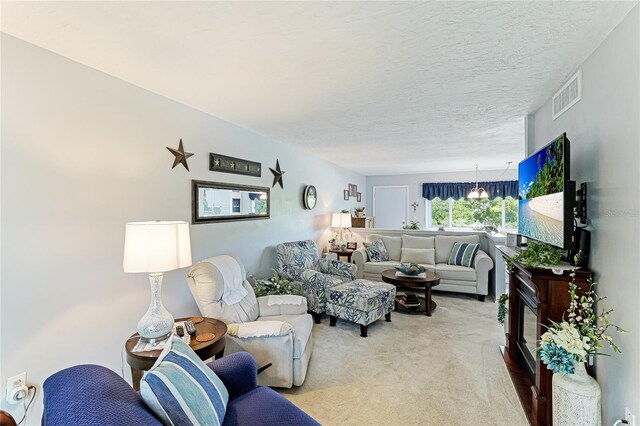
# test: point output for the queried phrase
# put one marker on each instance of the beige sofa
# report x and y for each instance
(453, 278)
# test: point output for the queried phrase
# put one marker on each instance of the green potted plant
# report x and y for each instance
(359, 211)
(414, 224)
(276, 285)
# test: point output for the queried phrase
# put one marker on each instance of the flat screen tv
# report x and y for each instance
(546, 196)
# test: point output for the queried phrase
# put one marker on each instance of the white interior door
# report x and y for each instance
(390, 206)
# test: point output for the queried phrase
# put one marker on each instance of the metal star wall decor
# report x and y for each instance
(181, 156)
(277, 175)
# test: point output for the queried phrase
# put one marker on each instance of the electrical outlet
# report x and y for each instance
(629, 417)
(14, 383)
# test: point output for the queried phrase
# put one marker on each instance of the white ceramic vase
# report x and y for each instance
(576, 399)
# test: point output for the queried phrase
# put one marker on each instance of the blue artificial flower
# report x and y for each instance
(557, 359)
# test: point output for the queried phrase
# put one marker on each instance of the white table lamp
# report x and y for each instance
(341, 221)
(154, 248)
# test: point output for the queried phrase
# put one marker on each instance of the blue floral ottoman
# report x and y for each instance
(361, 301)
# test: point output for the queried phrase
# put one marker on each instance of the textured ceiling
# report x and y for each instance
(377, 87)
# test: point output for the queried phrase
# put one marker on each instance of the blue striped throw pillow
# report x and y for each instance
(463, 254)
(181, 390)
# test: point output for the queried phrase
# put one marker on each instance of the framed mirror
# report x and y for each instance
(227, 202)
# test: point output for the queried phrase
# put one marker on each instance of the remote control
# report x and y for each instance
(180, 330)
(191, 329)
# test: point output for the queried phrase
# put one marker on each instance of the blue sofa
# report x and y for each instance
(92, 395)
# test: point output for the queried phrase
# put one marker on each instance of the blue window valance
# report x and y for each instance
(254, 196)
(457, 190)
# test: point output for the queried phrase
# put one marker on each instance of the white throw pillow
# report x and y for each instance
(421, 256)
(411, 241)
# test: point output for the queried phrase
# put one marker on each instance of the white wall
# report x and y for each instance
(415, 181)
(82, 154)
(605, 138)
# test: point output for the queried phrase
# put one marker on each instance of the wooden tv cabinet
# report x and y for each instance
(536, 297)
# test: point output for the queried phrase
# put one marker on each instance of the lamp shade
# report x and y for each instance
(156, 246)
(341, 220)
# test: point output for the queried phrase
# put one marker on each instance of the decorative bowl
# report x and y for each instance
(411, 268)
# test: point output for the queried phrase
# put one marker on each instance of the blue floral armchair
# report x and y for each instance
(298, 261)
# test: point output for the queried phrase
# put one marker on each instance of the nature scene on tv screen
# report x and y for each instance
(540, 197)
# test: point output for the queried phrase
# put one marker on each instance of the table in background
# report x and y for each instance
(342, 253)
(430, 280)
(358, 222)
(143, 361)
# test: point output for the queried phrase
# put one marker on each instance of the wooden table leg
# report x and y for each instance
(220, 354)
(136, 376)
(427, 300)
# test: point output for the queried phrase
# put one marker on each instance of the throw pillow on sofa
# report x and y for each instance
(393, 245)
(463, 254)
(180, 389)
(376, 251)
(421, 256)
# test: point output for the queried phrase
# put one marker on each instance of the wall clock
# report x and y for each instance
(310, 197)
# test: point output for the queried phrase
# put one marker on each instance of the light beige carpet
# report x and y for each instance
(416, 370)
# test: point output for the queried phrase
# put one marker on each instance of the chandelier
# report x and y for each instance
(476, 192)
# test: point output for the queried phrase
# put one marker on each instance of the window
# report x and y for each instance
(260, 207)
(491, 214)
(440, 212)
(510, 215)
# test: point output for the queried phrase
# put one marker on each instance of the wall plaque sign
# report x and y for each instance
(226, 164)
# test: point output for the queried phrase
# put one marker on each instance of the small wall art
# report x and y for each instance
(226, 164)
(352, 192)
(180, 156)
(277, 175)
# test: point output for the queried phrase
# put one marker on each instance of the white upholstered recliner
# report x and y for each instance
(277, 333)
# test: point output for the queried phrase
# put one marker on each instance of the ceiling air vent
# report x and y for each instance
(568, 95)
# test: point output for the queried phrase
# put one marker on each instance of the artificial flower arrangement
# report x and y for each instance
(581, 335)
(275, 286)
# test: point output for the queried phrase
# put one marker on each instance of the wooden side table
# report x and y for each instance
(143, 361)
(6, 419)
(341, 253)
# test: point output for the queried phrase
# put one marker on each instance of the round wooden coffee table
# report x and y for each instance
(430, 280)
(143, 361)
